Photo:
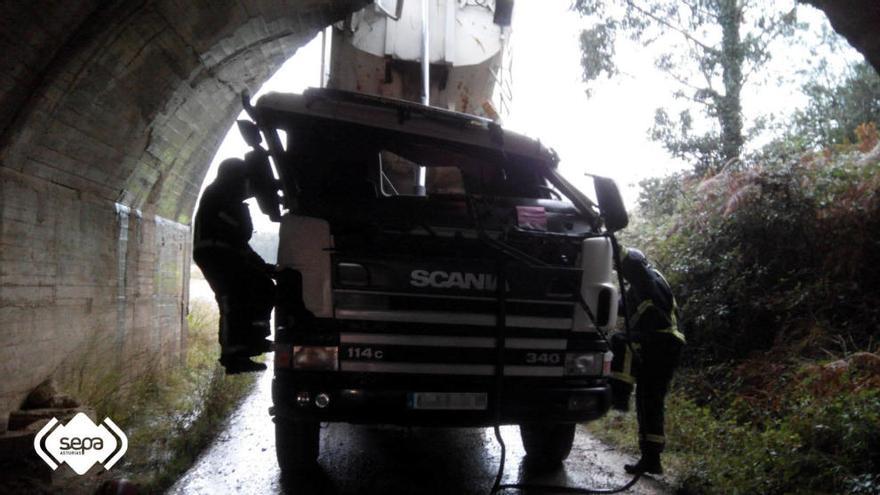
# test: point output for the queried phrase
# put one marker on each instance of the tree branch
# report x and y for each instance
(671, 26)
(696, 100)
(684, 82)
(762, 41)
(697, 9)
(710, 88)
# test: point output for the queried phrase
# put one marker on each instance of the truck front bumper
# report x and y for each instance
(389, 399)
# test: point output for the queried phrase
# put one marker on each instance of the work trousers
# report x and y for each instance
(245, 295)
(650, 370)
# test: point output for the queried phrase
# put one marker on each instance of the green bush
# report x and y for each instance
(775, 266)
(752, 253)
(827, 446)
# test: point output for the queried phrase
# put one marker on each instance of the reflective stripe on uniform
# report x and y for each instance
(648, 437)
(675, 333)
(626, 374)
(672, 329)
(623, 377)
(640, 311)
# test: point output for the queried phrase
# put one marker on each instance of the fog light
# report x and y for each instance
(303, 399)
(584, 364)
(350, 396)
(311, 357)
(322, 400)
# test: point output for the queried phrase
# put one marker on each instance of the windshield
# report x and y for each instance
(398, 176)
(330, 161)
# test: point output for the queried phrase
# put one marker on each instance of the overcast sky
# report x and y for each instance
(604, 135)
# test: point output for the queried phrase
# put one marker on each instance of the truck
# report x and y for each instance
(477, 296)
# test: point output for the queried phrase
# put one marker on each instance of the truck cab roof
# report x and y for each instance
(432, 137)
(405, 117)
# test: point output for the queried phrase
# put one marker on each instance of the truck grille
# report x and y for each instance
(439, 317)
(449, 355)
(451, 310)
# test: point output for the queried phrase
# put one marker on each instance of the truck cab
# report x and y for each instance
(478, 298)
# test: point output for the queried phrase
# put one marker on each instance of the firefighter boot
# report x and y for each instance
(236, 364)
(255, 339)
(649, 463)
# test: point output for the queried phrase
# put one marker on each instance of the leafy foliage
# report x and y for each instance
(781, 243)
(775, 266)
(712, 48)
(837, 108)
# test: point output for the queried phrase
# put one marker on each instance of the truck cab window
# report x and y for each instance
(398, 175)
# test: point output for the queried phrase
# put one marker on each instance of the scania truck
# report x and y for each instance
(436, 269)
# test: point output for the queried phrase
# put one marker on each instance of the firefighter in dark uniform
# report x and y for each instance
(647, 357)
(239, 277)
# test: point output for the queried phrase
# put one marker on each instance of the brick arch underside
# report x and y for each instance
(109, 117)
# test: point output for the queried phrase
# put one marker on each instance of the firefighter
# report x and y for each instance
(239, 277)
(646, 356)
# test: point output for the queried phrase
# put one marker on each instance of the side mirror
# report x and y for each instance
(391, 8)
(250, 132)
(503, 13)
(610, 204)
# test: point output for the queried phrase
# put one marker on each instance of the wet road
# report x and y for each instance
(389, 460)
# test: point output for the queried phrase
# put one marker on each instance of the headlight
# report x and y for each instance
(584, 363)
(310, 357)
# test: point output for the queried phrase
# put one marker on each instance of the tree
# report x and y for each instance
(712, 48)
(837, 106)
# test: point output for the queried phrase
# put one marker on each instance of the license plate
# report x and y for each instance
(448, 401)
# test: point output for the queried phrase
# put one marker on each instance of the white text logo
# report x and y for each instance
(453, 280)
(80, 443)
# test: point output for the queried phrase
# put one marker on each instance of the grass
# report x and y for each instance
(170, 410)
(170, 417)
(822, 438)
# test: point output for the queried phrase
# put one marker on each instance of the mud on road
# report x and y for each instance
(389, 460)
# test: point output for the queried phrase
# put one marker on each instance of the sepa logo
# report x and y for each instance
(80, 443)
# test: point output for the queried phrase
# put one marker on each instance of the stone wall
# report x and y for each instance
(110, 113)
(84, 282)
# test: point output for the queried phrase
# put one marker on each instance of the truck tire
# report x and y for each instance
(547, 444)
(297, 444)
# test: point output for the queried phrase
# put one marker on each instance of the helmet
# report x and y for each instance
(633, 256)
(634, 265)
(233, 177)
(232, 169)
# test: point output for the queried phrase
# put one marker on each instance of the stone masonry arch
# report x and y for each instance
(110, 112)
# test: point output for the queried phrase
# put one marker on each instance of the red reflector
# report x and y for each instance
(283, 355)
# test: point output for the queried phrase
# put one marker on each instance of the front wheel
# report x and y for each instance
(297, 444)
(547, 444)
